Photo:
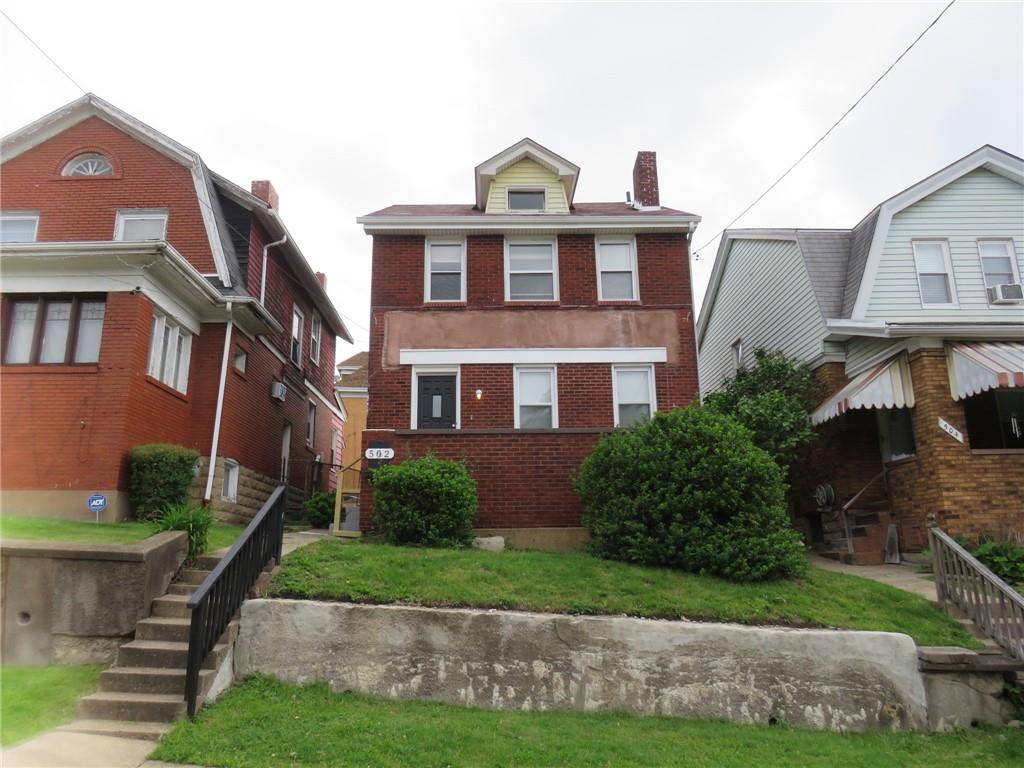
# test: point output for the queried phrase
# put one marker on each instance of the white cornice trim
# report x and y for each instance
(533, 355)
(843, 329)
(550, 222)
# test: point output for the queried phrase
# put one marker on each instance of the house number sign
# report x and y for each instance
(950, 430)
(380, 453)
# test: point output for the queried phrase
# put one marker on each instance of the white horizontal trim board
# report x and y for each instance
(528, 355)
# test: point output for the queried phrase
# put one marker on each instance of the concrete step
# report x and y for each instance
(181, 589)
(124, 729)
(163, 628)
(163, 654)
(171, 606)
(210, 561)
(133, 707)
(191, 576)
(151, 680)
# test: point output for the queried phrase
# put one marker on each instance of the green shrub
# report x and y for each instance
(425, 501)
(320, 509)
(160, 477)
(1004, 558)
(195, 521)
(689, 490)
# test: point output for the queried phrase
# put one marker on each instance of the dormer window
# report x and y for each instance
(88, 164)
(526, 199)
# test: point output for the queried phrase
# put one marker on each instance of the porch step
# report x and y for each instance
(191, 576)
(161, 653)
(126, 729)
(151, 680)
(130, 706)
(174, 629)
(172, 606)
(211, 560)
(181, 589)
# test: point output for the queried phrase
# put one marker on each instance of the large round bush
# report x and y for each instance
(689, 490)
(425, 501)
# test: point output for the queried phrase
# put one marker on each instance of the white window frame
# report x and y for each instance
(628, 240)
(240, 353)
(426, 270)
(24, 216)
(554, 391)
(953, 302)
(70, 165)
(296, 335)
(1011, 251)
(311, 423)
(508, 199)
(652, 386)
(136, 214)
(553, 242)
(229, 483)
(315, 334)
(737, 355)
(435, 370)
(182, 338)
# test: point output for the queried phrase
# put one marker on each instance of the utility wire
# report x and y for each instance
(832, 128)
(40, 49)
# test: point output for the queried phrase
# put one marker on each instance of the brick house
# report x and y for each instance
(914, 324)
(513, 331)
(147, 299)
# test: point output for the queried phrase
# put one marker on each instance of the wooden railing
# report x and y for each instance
(846, 508)
(216, 600)
(995, 607)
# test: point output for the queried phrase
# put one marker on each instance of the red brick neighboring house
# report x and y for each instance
(514, 331)
(138, 308)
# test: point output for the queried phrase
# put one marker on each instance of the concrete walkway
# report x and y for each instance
(904, 576)
(63, 749)
(293, 541)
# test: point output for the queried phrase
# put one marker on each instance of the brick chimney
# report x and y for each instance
(265, 191)
(645, 180)
(322, 279)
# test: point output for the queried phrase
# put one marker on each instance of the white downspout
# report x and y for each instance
(220, 403)
(263, 269)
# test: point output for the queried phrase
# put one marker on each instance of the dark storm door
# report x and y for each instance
(435, 402)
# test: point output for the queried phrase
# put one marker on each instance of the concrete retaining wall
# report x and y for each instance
(75, 603)
(504, 660)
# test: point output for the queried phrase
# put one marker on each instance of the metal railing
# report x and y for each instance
(996, 608)
(216, 600)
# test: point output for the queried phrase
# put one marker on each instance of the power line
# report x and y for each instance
(832, 128)
(40, 49)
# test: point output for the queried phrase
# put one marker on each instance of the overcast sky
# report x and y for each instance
(350, 107)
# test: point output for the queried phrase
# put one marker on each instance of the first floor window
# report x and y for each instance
(241, 359)
(229, 488)
(140, 225)
(18, 227)
(896, 433)
(934, 273)
(446, 271)
(170, 350)
(334, 449)
(536, 398)
(995, 419)
(633, 391)
(298, 320)
(310, 423)
(616, 270)
(314, 338)
(531, 271)
(54, 329)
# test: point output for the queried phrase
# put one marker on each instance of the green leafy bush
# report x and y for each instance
(160, 477)
(1004, 558)
(320, 509)
(425, 501)
(689, 490)
(195, 521)
(772, 400)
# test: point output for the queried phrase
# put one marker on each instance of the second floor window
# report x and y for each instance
(531, 271)
(446, 272)
(314, 338)
(934, 273)
(54, 330)
(998, 262)
(170, 351)
(140, 225)
(18, 227)
(616, 270)
(536, 398)
(298, 321)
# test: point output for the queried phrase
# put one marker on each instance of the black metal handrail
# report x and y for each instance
(216, 600)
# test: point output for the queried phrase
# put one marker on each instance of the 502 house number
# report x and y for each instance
(380, 453)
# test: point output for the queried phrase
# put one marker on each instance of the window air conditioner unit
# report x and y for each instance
(1010, 293)
(278, 390)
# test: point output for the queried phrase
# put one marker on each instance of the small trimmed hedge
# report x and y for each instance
(320, 509)
(425, 501)
(160, 476)
(689, 490)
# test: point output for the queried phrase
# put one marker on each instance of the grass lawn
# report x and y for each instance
(262, 722)
(35, 699)
(569, 582)
(49, 529)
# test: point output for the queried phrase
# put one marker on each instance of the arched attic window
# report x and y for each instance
(88, 164)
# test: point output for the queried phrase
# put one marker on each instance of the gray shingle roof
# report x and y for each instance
(860, 244)
(825, 252)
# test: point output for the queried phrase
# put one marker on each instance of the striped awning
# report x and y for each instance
(978, 367)
(887, 385)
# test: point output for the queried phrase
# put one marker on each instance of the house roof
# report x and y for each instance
(207, 184)
(354, 372)
(837, 260)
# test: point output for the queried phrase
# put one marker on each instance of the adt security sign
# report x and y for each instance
(96, 503)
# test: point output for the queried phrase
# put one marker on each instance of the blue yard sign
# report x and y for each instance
(96, 503)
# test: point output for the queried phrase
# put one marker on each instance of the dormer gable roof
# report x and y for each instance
(567, 173)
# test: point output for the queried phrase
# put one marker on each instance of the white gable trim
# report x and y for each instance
(987, 157)
(566, 172)
(90, 105)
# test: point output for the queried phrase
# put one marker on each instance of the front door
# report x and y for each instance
(435, 402)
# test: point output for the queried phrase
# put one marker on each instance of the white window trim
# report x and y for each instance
(426, 270)
(433, 370)
(737, 355)
(633, 264)
(954, 302)
(232, 494)
(508, 204)
(291, 335)
(184, 337)
(134, 214)
(615, 388)
(310, 438)
(553, 242)
(33, 217)
(554, 391)
(1011, 252)
(315, 333)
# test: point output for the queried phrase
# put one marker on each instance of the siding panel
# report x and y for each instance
(527, 174)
